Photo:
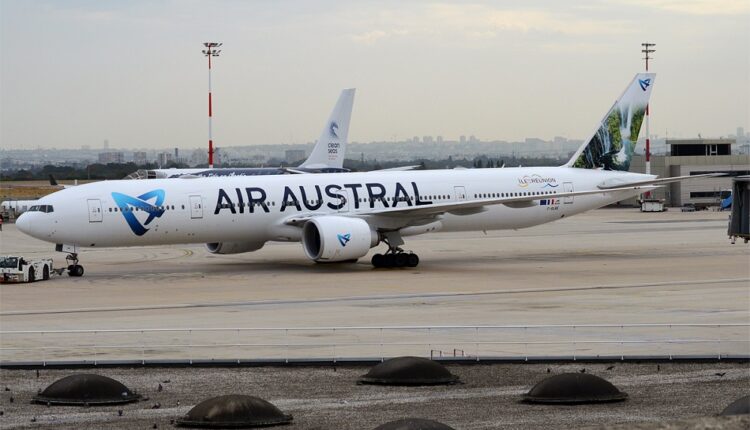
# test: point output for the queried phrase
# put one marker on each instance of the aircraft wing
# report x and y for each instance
(399, 168)
(476, 205)
(294, 171)
(618, 183)
(467, 207)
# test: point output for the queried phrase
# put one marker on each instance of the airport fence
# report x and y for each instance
(335, 344)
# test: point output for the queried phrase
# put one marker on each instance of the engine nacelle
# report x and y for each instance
(233, 247)
(337, 238)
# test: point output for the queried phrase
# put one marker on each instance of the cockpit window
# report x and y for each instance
(42, 208)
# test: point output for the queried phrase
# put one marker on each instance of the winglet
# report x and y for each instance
(330, 148)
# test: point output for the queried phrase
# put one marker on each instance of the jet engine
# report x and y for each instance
(233, 247)
(337, 238)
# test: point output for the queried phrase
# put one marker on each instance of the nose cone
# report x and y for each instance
(23, 223)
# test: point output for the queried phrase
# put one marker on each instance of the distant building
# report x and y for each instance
(199, 156)
(740, 133)
(440, 139)
(462, 139)
(427, 139)
(140, 158)
(294, 155)
(415, 139)
(694, 157)
(111, 157)
(164, 158)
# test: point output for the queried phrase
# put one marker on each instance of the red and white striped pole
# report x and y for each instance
(647, 49)
(209, 52)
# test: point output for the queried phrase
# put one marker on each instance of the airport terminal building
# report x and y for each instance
(694, 157)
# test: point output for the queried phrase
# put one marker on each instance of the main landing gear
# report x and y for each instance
(395, 256)
(74, 269)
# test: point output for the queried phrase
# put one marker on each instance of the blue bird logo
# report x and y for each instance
(644, 83)
(344, 238)
(127, 204)
(333, 128)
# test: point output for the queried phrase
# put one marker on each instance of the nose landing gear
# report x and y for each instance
(74, 269)
(395, 256)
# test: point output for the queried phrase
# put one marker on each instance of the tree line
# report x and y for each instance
(111, 171)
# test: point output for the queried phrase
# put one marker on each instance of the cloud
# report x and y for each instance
(370, 37)
(479, 22)
(695, 7)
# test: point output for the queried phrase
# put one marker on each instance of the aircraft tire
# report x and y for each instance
(412, 260)
(400, 260)
(75, 270)
(377, 260)
(389, 260)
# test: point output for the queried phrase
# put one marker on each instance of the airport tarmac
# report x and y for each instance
(610, 266)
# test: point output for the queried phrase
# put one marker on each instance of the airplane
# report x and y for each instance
(327, 155)
(339, 217)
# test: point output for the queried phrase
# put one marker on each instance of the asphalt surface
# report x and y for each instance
(612, 266)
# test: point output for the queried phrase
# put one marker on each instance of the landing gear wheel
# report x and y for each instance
(45, 273)
(412, 260)
(389, 260)
(400, 259)
(32, 275)
(74, 269)
(395, 256)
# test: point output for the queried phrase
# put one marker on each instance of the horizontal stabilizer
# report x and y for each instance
(619, 182)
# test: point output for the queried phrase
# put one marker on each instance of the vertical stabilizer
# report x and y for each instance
(330, 148)
(613, 143)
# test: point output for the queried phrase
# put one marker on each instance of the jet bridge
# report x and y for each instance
(739, 220)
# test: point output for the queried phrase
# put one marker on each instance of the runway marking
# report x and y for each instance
(323, 300)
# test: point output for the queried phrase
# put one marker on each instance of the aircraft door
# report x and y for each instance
(95, 210)
(568, 188)
(460, 193)
(196, 207)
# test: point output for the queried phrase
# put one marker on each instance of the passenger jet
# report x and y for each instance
(341, 216)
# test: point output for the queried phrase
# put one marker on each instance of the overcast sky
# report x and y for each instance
(77, 72)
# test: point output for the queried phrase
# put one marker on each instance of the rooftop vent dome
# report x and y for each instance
(234, 411)
(409, 371)
(740, 406)
(574, 388)
(413, 424)
(86, 389)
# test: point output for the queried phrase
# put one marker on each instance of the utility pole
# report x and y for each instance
(647, 50)
(209, 52)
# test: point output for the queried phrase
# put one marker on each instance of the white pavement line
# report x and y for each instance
(276, 302)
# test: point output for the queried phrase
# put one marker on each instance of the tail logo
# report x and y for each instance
(130, 206)
(333, 128)
(344, 238)
(645, 83)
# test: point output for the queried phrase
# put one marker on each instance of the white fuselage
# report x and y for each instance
(227, 209)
